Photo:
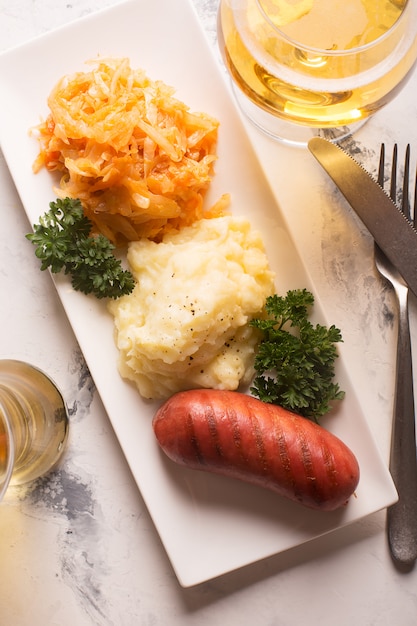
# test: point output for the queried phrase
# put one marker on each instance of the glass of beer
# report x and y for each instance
(302, 68)
(33, 423)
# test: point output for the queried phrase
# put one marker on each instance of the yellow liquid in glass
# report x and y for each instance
(300, 59)
(332, 24)
(4, 451)
(37, 418)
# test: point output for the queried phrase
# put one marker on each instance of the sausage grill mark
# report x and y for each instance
(236, 433)
(279, 438)
(214, 433)
(309, 472)
(193, 439)
(259, 443)
(328, 460)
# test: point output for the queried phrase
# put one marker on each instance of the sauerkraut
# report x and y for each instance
(136, 157)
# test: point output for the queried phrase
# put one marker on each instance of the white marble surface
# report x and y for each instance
(78, 547)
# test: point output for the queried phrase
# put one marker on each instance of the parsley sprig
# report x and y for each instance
(295, 360)
(63, 243)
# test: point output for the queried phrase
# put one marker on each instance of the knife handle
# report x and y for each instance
(402, 516)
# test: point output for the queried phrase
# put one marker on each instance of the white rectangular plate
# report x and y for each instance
(208, 525)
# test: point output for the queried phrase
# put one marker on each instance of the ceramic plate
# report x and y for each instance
(208, 525)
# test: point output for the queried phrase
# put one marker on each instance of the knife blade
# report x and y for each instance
(392, 231)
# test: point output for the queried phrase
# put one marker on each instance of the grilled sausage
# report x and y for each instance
(230, 433)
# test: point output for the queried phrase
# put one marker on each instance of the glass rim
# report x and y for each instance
(10, 451)
(335, 53)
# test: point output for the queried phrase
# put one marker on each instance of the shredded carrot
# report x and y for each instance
(136, 157)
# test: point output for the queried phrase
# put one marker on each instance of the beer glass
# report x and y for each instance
(302, 68)
(33, 423)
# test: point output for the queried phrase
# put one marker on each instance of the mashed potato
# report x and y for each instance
(185, 325)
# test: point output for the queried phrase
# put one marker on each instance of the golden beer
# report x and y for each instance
(318, 63)
(33, 423)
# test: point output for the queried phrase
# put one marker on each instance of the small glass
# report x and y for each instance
(302, 68)
(33, 423)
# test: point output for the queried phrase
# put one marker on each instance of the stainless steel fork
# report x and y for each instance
(402, 516)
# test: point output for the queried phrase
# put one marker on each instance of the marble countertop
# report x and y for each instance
(78, 546)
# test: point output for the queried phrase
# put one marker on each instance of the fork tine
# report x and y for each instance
(381, 174)
(415, 200)
(393, 186)
(405, 202)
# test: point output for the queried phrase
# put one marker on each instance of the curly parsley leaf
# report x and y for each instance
(295, 360)
(64, 244)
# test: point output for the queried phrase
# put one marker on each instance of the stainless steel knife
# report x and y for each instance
(391, 230)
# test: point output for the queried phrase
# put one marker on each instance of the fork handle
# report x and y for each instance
(402, 516)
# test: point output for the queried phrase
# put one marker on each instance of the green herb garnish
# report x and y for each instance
(63, 243)
(295, 360)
